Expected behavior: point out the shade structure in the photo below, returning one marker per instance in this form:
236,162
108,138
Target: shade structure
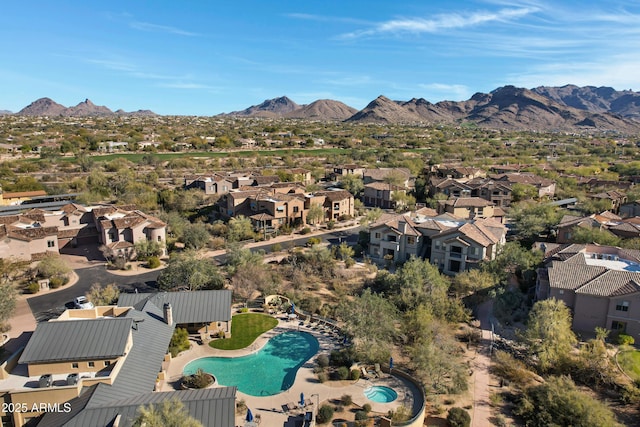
249,416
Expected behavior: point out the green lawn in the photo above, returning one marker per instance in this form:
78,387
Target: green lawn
245,328
630,363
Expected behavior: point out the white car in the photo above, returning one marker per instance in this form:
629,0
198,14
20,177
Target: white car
82,302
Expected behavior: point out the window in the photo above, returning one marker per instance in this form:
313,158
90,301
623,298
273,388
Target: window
296,209
74,365
51,243
391,237
561,292
377,235
456,252
622,306
618,326
107,363
411,240
280,208
159,238
91,364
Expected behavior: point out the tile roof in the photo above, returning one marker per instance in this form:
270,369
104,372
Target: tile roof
77,340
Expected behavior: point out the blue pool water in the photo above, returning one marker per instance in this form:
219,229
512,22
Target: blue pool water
269,371
380,394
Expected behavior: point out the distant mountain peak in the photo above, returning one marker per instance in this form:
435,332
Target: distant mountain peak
48,107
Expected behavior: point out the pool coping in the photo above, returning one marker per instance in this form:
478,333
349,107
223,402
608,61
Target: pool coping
272,408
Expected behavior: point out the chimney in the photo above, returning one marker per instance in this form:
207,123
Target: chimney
168,313
402,226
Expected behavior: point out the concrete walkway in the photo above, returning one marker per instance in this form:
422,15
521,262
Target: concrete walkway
271,409
482,380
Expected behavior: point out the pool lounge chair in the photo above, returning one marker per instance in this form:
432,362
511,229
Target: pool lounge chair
378,370
365,374
291,406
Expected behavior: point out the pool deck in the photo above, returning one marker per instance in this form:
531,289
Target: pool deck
272,409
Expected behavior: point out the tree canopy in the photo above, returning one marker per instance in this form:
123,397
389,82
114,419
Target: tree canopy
187,270
549,333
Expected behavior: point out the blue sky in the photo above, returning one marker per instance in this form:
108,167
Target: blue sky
209,57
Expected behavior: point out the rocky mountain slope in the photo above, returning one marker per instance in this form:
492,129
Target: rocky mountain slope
567,108
323,109
508,107
595,99
48,107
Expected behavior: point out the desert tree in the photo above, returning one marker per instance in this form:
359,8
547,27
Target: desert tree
169,413
548,333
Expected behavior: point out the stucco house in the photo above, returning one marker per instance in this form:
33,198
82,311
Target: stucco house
31,234
101,364
453,244
469,208
600,284
462,248
382,195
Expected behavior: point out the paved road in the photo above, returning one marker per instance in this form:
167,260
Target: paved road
51,305
47,306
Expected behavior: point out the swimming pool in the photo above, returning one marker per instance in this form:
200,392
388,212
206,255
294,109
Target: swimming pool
380,394
269,371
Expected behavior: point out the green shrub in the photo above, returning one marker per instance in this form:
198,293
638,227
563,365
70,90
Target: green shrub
355,374
349,262
346,400
342,372
366,408
313,241
33,287
244,310
56,281
276,247
458,417
322,360
153,262
624,339
179,341
323,377
199,380
361,415
325,413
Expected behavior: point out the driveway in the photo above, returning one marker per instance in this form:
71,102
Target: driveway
47,306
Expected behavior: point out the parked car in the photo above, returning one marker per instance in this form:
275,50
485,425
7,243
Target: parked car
82,302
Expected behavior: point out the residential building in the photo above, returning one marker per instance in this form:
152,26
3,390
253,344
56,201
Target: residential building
462,248
469,208
31,234
382,195
397,176
285,204
210,184
600,284
545,187
614,197
101,364
453,244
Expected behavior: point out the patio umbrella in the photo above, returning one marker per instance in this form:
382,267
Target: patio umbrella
249,416
390,363
301,399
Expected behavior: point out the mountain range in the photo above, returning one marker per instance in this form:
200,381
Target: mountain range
48,107
566,108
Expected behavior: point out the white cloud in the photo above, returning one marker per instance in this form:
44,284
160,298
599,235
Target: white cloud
146,26
618,71
449,91
441,22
